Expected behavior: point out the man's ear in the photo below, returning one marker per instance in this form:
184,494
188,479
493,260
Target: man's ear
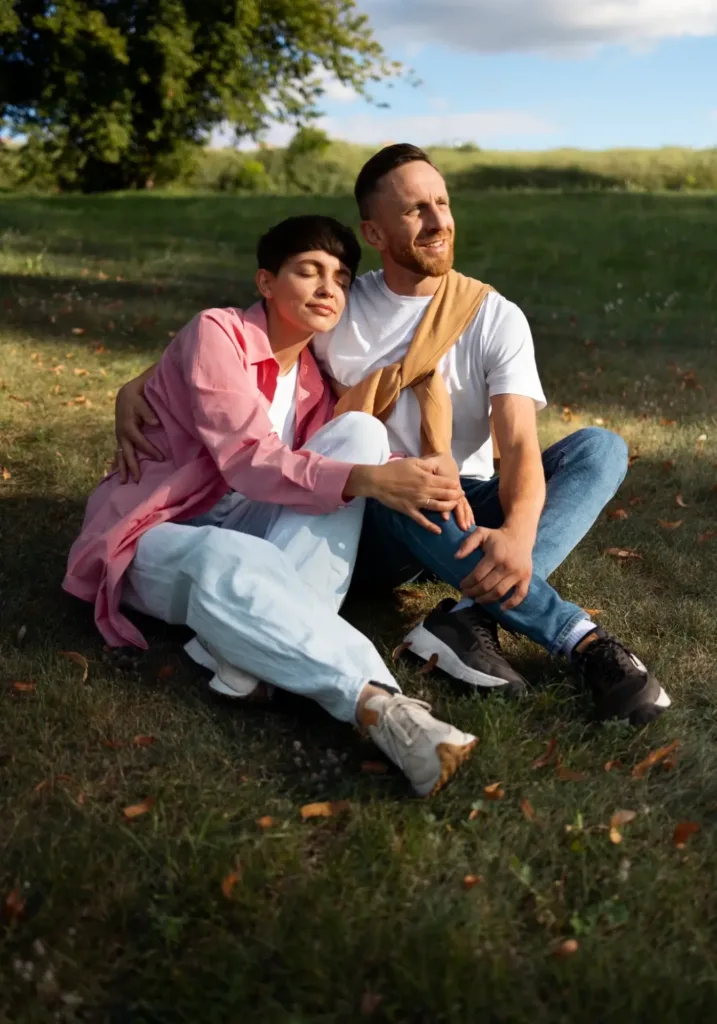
264,280
371,234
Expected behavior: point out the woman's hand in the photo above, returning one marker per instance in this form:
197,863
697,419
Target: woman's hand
408,486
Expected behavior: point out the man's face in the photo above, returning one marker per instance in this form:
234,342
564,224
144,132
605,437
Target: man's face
410,220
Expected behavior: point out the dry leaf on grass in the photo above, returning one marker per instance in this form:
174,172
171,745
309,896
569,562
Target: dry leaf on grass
6,474
545,759
669,524
679,500
113,744
78,659
609,765
398,651
592,611
683,831
622,553
326,809
229,881
619,819
136,810
14,905
429,666
24,687
51,782
374,767
618,513
494,791
566,774
668,464
707,535
667,423
165,672
527,809
266,822
470,880
143,741
637,500
370,1002
78,330
566,948
654,757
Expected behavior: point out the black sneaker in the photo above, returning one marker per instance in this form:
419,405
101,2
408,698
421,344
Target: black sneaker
466,643
621,685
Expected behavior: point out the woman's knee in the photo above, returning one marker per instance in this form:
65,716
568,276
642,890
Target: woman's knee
362,438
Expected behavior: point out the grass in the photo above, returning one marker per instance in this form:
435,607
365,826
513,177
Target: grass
364,915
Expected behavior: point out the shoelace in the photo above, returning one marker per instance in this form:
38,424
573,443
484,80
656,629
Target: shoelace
609,657
398,703
486,631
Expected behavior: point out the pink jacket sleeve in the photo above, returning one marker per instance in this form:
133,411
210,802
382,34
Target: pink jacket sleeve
235,427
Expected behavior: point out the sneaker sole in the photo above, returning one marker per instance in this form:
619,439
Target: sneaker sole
450,756
425,644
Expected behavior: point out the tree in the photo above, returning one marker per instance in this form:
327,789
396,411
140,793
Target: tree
113,92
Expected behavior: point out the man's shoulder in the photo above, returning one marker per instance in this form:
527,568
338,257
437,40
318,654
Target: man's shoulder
498,311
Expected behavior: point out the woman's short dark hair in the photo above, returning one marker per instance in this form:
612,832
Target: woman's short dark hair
308,232
381,164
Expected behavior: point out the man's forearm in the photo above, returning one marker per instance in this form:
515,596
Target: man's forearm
522,490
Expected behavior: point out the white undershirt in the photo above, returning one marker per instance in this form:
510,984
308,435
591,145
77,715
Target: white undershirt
282,411
493,356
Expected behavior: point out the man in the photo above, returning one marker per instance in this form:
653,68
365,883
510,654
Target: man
540,507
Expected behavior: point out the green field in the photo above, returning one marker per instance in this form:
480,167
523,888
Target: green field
365,915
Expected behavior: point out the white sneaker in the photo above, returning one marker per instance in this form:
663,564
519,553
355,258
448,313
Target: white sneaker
227,679
429,752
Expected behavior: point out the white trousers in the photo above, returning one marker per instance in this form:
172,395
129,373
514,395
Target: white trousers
262,583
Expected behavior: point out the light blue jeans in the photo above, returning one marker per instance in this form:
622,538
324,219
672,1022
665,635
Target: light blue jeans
582,472
262,583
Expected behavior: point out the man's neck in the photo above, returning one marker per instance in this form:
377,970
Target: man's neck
408,282
287,342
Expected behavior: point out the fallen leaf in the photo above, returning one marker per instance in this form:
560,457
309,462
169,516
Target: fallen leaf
567,415
701,439
669,763
545,759
653,758
609,765
80,799
370,1002
566,774
494,791
669,524
78,659
229,881
618,513
667,423
708,535
683,831
470,880
143,741
78,330
679,500
637,500
266,822
669,464
619,819
474,814
114,744
429,666
622,553
135,810
6,474
566,948
24,687
165,672
527,809
592,611
14,906
398,651
327,809
599,421
374,767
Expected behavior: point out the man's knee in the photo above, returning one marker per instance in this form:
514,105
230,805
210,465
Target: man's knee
605,449
361,438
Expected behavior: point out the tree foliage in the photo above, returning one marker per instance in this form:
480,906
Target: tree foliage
113,92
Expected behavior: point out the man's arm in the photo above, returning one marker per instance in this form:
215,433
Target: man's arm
132,412
507,563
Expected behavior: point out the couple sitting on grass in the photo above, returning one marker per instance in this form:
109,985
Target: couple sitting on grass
257,481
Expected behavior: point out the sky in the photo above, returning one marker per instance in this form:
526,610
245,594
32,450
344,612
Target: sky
537,74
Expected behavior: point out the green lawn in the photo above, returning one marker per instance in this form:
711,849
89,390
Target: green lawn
364,915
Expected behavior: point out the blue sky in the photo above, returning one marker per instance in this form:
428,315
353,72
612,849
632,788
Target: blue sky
535,74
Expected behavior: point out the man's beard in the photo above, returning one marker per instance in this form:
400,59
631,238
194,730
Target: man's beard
423,261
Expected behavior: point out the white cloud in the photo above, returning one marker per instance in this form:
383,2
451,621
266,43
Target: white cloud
481,126
493,26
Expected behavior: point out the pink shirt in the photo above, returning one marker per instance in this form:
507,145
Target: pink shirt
211,393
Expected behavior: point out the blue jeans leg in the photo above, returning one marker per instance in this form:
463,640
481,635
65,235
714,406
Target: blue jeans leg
582,473
543,615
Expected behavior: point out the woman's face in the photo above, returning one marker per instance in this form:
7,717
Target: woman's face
309,292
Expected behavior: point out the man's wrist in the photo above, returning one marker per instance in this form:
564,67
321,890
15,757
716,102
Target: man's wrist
520,530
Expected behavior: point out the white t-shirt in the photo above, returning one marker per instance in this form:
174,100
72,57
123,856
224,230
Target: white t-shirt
493,356
282,411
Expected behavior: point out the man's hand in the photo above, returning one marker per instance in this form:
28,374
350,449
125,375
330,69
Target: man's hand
507,564
407,485
132,412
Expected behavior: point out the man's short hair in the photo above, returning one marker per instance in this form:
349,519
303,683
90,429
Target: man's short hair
381,164
308,232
